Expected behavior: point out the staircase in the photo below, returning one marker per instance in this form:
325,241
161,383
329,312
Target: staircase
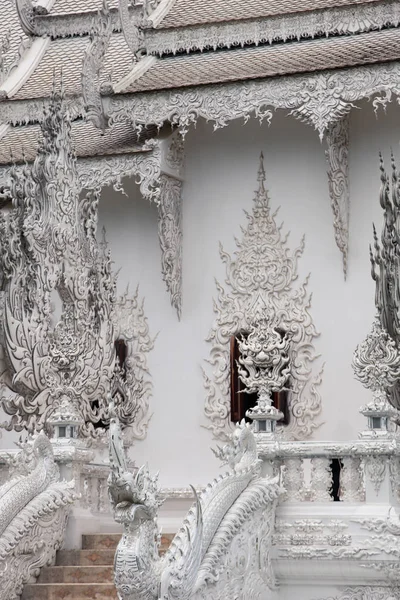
85,574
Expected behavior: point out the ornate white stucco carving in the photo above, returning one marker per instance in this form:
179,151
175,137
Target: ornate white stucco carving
375,467
342,20
260,279
130,324
319,99
319,552
170,236
230,525
367,593
311,532
93,60
34,508
175,156
98,172
51,258
376,360
337,156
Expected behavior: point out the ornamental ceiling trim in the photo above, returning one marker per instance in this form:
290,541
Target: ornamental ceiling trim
194,12
74,24
319,99
259,279
22,112
336,21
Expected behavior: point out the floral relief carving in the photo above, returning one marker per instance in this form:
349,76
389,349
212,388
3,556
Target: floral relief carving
260,278
170,236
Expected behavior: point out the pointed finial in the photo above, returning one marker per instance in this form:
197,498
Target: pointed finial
261,172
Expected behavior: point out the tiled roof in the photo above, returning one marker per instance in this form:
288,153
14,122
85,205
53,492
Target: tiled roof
11,33
266,61
192,12
79,6
68,54
86,139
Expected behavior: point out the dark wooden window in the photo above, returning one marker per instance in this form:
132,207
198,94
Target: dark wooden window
121,350
241,401
336,467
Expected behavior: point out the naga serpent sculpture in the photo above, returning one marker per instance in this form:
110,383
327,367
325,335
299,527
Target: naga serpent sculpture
191,568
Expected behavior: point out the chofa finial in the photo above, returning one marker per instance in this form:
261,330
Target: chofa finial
261,172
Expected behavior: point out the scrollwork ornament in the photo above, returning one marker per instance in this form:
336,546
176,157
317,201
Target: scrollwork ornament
260,280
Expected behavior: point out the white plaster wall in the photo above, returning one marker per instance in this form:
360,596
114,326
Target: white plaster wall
221,172
221,176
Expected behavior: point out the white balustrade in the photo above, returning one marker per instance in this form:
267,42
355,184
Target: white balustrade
368,471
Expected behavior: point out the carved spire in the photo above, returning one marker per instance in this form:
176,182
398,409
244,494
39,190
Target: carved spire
261,175
377,359
57,328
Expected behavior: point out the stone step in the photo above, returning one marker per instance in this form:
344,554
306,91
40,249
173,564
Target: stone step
107,541
100,541
70,591
85,558
77,574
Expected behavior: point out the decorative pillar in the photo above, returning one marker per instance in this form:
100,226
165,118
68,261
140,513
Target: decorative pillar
337,156
170,216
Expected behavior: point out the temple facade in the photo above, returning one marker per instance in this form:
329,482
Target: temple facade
199,235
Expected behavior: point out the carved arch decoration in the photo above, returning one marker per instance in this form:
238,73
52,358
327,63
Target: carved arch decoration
260,278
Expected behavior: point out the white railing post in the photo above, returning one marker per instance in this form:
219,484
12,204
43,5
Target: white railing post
351,480
321,480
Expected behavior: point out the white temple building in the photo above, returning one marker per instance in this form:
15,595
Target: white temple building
242,160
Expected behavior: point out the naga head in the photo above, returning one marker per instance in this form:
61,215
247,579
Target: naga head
241,451
131,494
